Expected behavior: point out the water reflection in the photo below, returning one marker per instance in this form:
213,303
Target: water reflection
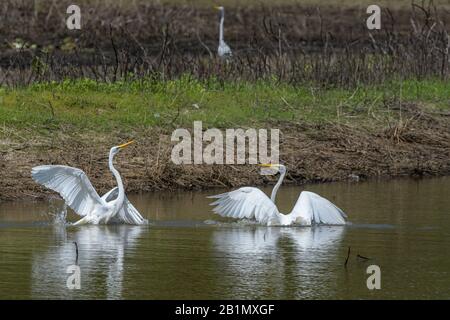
259,240
403,226
101,257
289,262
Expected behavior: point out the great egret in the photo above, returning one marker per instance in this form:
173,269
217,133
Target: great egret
76,189
252,203
223,50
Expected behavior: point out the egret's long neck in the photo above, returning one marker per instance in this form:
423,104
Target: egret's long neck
277,186
221,26
116,174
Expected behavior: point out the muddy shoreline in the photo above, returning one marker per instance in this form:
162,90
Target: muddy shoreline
312,153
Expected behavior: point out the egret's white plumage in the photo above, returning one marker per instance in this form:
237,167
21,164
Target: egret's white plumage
128,213
223,50
253,204
75,188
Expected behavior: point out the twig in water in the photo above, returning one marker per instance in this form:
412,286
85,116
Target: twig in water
348,256
362,257
76,251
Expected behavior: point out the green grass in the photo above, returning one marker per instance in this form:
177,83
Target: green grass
102,107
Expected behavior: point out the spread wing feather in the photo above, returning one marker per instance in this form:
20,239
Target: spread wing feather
246,202
314,209
72,184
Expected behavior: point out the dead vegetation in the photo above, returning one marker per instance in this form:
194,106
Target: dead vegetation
418,146
325,45
322,46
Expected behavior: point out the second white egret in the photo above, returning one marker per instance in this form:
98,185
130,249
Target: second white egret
253,204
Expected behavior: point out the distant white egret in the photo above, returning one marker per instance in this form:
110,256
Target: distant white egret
251,203
223,50
76,189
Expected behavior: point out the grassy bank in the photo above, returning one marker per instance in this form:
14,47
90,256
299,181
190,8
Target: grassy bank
399,129
88,105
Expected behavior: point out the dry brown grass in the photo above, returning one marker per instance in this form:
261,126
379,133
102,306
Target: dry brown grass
419,146
297,43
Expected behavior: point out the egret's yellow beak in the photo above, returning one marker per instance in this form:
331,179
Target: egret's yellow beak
217,7
125,144
267,165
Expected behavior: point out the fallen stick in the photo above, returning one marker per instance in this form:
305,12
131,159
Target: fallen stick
76,251
348,256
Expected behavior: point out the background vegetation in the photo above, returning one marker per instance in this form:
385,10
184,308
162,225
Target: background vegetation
349,101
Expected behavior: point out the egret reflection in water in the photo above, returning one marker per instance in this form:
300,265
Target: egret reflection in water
101,254
279,260
403,226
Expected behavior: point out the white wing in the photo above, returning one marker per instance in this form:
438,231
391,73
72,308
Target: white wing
246,202
313,209
128,213
72,184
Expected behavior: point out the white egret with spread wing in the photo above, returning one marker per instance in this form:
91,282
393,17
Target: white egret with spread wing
253,204
75,188
223,50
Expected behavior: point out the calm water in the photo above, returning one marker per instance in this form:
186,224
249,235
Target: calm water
403,226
